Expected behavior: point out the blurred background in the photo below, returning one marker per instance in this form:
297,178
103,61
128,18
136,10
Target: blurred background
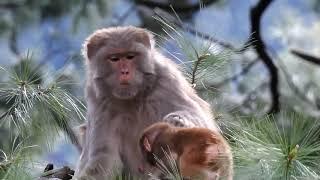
267,60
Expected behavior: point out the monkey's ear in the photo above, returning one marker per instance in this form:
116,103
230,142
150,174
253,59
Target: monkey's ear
146,144
92,45
146,39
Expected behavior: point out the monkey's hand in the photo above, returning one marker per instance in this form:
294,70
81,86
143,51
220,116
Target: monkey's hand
179,119
100,168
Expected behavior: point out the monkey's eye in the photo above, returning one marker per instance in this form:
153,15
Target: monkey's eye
114,58
130,56
151,159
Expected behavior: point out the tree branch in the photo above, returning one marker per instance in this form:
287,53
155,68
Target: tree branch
256,13
10,5
306,57
13,44
64,173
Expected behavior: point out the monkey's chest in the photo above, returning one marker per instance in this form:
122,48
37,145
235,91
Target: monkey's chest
130,127
128,130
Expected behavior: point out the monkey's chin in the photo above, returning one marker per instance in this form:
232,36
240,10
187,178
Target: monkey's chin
125,93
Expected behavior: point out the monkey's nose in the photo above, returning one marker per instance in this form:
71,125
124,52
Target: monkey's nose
125,71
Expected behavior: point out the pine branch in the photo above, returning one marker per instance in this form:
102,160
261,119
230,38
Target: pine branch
26,99
276,147
196,65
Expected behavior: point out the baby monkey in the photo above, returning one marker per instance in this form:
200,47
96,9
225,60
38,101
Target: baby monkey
199,153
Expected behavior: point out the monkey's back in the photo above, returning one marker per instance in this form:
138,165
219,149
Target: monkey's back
199,145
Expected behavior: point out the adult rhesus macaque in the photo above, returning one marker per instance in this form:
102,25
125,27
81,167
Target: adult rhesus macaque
130,86
198,152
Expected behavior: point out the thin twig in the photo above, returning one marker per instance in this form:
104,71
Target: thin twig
306,57
194,70
289,80
13,42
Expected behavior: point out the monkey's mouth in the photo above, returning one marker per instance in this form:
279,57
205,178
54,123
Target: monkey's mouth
124,84
125,91
125,87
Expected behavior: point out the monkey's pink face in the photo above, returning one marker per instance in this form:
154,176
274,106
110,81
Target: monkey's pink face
120,73
125,79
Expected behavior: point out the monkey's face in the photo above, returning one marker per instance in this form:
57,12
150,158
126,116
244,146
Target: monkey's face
124,79
153,143
146,150
120,61
156,159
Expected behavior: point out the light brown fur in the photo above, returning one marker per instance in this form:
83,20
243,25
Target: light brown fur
198,152
116,116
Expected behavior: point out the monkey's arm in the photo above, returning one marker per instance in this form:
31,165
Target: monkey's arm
100,164
100,155
80,133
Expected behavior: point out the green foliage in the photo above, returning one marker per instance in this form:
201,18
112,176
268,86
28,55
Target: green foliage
35,109
284,147
203,62
13,165
168,167
28,97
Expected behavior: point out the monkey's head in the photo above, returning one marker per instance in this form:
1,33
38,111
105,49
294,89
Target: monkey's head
151,141
119,61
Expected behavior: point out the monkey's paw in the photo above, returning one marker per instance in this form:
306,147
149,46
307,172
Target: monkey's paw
177,120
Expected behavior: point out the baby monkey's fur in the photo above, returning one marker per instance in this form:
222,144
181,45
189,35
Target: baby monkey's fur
200,153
